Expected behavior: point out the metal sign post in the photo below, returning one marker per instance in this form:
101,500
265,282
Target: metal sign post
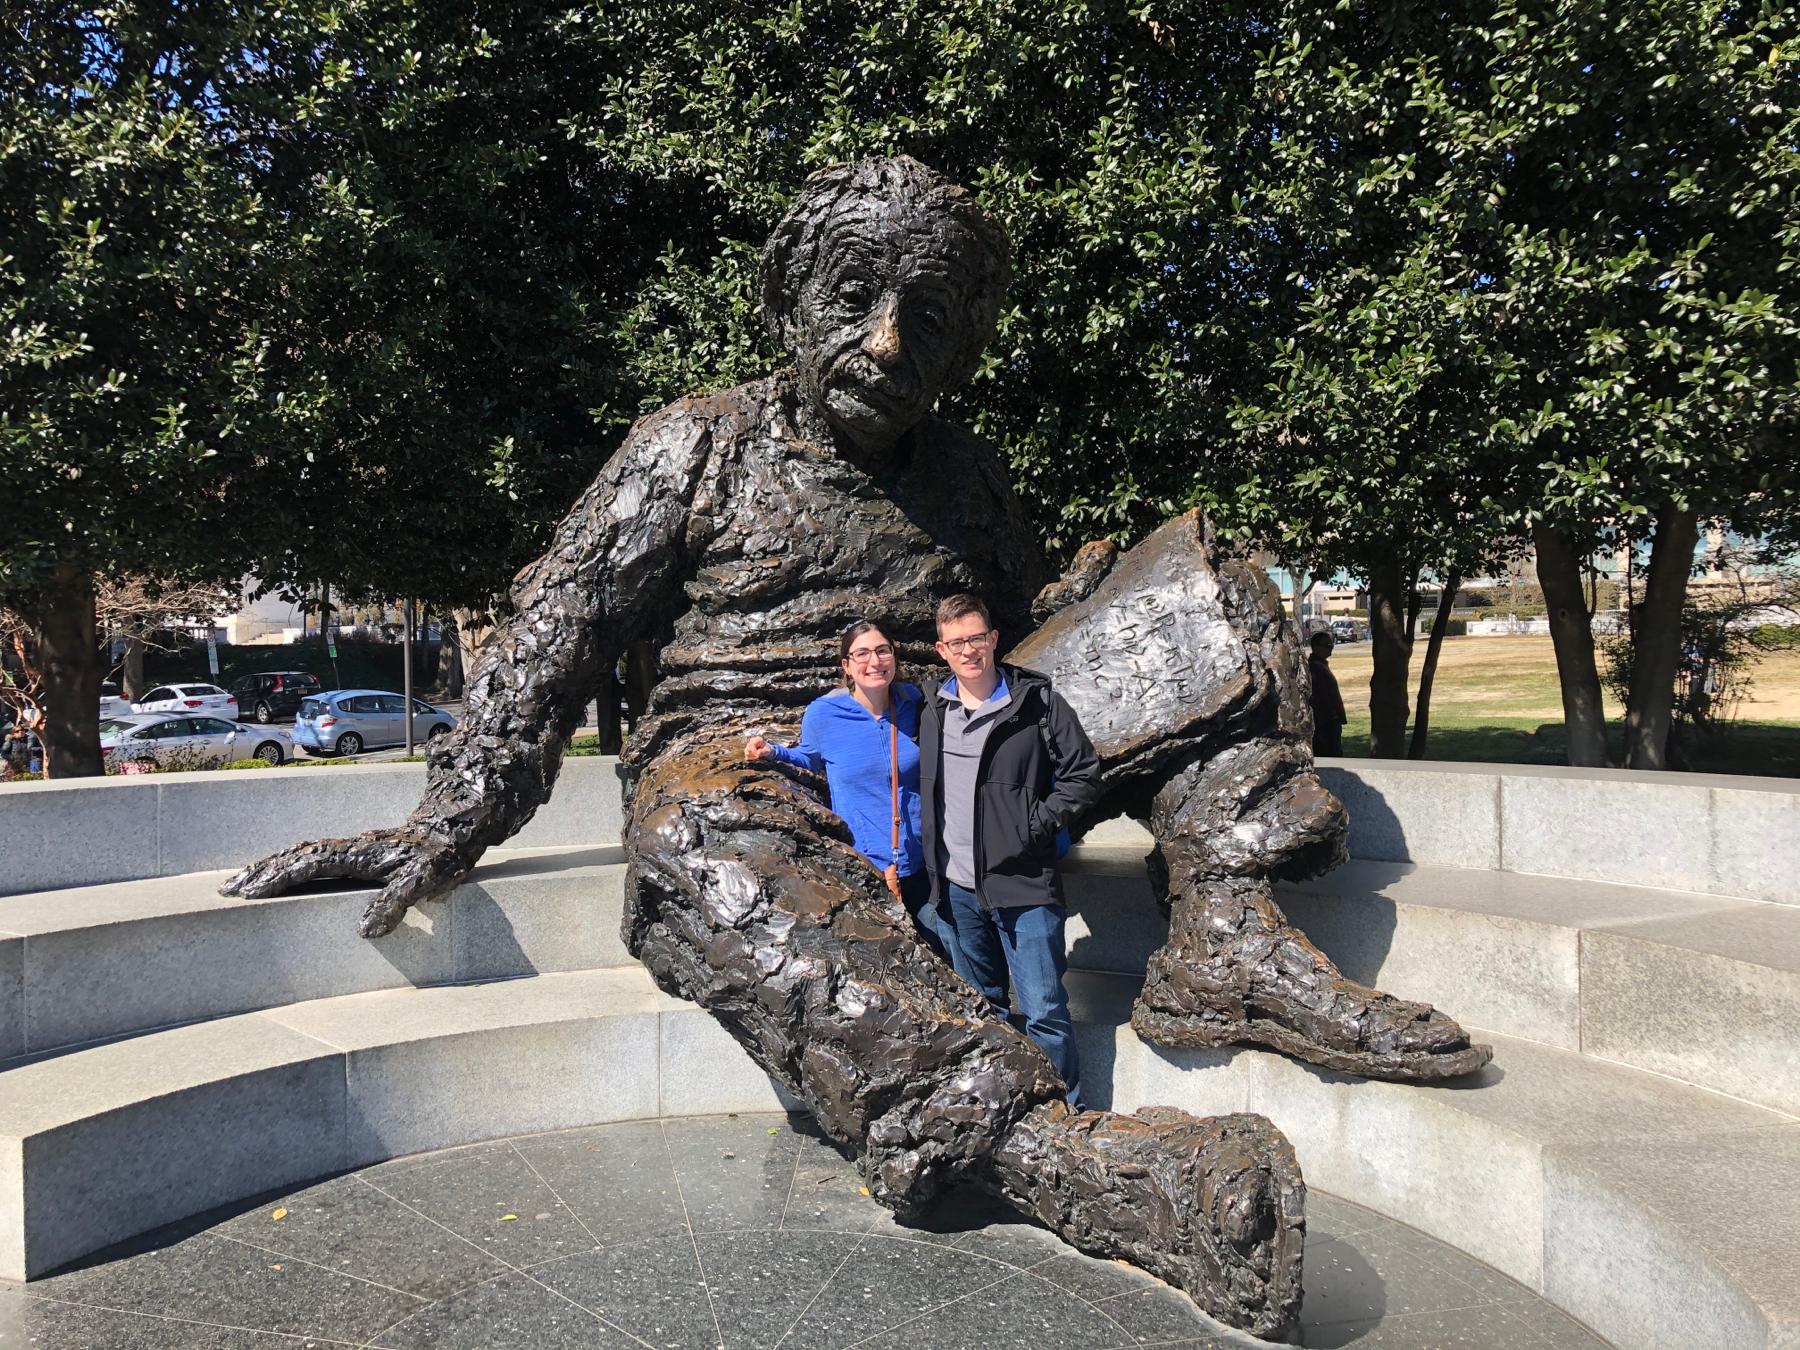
329,634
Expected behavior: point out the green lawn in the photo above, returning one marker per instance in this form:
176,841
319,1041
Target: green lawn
1497,700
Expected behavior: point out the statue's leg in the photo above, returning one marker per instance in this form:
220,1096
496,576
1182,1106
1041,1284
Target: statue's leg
744,895
1193,690
1234,970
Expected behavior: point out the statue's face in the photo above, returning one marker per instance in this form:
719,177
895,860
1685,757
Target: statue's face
880,322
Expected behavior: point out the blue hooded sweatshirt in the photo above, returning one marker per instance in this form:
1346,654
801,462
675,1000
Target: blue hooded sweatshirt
850,745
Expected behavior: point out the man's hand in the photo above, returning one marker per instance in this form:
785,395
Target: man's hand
411,865
757,748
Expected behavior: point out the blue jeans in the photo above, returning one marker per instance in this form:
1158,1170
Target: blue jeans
1025,943
934,930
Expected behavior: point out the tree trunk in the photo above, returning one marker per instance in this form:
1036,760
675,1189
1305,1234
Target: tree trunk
1392,650
69,654
640,678
1657,645
1300,594
450,663
472,630
1572,634
1428,672
606,708
131,676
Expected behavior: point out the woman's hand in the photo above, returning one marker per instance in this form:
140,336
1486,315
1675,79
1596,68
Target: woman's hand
757,748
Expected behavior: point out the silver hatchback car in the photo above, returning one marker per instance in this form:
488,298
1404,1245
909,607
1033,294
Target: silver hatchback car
348,721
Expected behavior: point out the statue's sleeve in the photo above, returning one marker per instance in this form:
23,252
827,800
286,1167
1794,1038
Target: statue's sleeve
617,562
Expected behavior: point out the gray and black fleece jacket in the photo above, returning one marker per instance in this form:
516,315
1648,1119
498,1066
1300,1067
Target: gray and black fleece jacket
1038,773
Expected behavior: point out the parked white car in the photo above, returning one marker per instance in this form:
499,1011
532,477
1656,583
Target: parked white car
189,698
177,741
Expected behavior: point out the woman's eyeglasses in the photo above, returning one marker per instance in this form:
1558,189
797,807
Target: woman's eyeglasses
863,655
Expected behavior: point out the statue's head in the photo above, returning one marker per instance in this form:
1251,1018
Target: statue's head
884,280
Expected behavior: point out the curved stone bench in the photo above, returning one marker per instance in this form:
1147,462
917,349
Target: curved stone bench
1708,833
88,831
172,949
1662,1215
104,1143
1658,1211
1697,987
1623,1197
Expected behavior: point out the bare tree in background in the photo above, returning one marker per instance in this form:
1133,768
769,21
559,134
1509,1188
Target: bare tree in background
143,611
140,610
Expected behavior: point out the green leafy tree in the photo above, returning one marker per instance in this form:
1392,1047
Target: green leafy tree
307,290
441,343
130,353
1367,451
1106,136
1603,205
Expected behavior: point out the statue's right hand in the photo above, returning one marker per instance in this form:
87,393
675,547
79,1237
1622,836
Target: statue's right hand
757,747
410,864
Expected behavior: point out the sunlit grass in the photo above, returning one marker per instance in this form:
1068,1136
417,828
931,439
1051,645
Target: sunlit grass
1497,700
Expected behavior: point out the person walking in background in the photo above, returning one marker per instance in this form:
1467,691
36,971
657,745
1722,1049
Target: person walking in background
864,738
1327,702
1005,766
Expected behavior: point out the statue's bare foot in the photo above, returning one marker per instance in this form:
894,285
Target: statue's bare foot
1216,1207
410,864
1235,972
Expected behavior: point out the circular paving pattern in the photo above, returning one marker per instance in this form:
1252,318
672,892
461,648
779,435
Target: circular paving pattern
748,1232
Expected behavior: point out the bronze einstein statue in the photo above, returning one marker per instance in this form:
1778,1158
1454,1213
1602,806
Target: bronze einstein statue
754,525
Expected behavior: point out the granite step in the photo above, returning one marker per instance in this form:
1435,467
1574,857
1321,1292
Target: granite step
1697,987
93,962
106,1142
1657,1213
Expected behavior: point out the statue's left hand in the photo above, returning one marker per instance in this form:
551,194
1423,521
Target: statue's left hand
1090,567
411,865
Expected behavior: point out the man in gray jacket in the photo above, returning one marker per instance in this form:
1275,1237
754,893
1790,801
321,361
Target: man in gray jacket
1003,767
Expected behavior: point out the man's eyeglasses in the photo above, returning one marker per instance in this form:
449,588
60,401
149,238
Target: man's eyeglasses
967,644
863,655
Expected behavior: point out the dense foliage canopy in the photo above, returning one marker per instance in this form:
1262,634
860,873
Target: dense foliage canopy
360,293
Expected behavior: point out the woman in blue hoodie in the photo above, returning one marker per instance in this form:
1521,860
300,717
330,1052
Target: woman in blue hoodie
848,735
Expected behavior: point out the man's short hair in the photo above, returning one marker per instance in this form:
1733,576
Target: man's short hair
960,606
901,181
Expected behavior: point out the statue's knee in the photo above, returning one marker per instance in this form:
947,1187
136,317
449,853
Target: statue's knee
667,831
1254,808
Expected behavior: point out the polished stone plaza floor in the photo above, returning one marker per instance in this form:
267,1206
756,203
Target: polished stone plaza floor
743,1231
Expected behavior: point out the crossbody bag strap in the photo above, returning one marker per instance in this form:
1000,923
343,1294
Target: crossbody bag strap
894,778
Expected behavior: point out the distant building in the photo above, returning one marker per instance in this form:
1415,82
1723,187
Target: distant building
271,621
1335,595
